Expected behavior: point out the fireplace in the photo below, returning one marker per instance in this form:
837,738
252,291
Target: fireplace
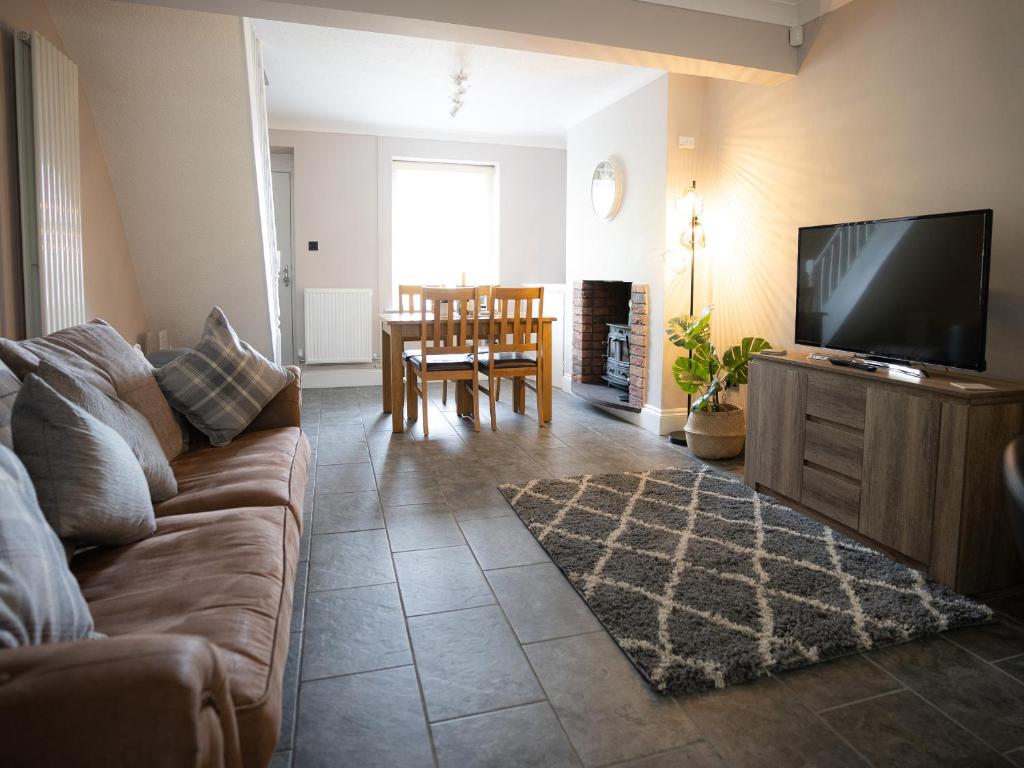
609,344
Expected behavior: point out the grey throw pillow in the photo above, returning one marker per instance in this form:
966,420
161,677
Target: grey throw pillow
8,390
89,483
123,419
222,383
40,601
96,352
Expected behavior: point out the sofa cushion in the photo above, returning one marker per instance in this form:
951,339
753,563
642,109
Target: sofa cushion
256,469
40,601
96,353
226,576
222,383
8,389
89,483
131,425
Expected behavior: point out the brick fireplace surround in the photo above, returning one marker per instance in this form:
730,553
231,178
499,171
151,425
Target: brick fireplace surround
595,304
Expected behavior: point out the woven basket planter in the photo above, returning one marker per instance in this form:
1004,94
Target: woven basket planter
717,434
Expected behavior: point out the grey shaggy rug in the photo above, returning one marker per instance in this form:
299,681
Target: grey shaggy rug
704,583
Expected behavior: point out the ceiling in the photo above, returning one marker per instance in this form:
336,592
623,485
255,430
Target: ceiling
330,79
790,13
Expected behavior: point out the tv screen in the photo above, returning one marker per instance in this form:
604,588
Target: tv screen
908,289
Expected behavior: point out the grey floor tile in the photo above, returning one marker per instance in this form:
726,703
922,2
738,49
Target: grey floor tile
991,642
502,542
372,719
902,729
1016,757
469,662
474,501
356,559
1014,667
281,760
528,736
299,598
335,452
422,526
409,488
975,694
697,755
345,478
341,512
606,708
354,630
434,580
763,724
833,683
1011,604
540,603
290,692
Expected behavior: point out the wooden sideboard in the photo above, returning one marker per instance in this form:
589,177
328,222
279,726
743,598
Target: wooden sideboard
912,466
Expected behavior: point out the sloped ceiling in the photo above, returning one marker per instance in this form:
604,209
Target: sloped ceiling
169,94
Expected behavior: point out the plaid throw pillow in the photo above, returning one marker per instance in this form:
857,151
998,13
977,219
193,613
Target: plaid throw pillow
222,383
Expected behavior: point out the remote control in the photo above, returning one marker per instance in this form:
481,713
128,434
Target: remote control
844,363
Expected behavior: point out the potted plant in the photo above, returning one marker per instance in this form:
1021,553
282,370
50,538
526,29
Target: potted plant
714,429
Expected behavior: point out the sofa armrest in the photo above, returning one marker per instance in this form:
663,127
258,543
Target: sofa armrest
285,410
153,700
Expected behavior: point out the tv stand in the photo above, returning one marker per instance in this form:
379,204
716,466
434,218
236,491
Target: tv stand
912,467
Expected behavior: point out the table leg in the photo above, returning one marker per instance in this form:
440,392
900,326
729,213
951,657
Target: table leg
397,390
385,368
546,370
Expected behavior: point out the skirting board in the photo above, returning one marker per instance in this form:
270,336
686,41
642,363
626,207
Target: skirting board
322,378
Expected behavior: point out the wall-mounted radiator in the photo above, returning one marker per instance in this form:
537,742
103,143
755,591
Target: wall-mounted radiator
51,194
339,325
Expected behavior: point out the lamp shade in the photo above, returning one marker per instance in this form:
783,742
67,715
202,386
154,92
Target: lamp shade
693,235
690,203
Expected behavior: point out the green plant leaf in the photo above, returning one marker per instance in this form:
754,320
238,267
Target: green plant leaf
736,359
690,332
708,358
708,401
690,374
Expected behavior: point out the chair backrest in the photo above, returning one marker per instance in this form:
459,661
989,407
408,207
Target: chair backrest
483,293
455,329
514,310
410,298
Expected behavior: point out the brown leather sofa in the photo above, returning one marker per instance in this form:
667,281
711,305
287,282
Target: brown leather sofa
197,618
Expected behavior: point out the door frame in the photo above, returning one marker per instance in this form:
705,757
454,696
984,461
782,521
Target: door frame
283,161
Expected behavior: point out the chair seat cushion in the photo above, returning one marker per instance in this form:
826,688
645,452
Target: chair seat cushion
255,469
226,576
507,360
442,362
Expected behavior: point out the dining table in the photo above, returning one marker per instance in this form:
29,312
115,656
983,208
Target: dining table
399,328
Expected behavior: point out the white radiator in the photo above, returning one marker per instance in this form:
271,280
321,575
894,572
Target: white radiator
339,325
49,163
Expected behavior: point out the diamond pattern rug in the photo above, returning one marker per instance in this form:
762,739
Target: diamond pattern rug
704,583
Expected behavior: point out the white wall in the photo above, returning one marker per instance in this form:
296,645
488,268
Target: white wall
342,194
631,246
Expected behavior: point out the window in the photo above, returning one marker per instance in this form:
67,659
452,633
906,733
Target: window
444,224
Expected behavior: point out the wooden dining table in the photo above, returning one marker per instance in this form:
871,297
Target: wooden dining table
397,328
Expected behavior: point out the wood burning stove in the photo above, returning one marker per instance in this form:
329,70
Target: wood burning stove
616,358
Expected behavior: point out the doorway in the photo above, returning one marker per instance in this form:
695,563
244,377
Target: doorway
282,166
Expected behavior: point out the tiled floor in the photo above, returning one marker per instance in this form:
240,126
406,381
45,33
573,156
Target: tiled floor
431,629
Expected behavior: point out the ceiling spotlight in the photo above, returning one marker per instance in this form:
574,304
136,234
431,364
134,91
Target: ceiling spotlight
461,86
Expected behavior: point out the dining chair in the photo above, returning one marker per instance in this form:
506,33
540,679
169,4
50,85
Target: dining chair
410,298
483,293
514,348
449,348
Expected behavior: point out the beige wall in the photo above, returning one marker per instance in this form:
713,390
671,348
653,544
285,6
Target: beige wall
901,107
342,194
111,289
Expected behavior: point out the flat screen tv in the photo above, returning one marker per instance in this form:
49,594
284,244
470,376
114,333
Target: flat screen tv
912,289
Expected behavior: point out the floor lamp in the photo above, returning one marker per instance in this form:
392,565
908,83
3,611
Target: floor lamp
691,205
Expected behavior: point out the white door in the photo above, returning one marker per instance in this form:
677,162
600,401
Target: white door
282,182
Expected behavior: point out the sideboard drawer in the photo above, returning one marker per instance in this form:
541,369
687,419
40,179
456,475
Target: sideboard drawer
841,399
832,496
836,448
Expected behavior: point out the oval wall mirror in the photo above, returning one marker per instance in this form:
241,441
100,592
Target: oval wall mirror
606,189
